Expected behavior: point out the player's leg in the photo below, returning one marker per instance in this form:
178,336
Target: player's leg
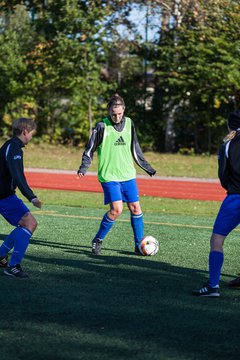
215,259
18,215
215,262
12,209
113,197
22,235
137,223
227,219
109,219
131,197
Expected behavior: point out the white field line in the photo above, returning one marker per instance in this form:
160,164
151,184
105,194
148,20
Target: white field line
52,213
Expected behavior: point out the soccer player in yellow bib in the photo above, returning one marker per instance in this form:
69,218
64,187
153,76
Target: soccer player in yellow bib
115,140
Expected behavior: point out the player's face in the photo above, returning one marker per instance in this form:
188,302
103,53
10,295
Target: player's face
27,136
116,113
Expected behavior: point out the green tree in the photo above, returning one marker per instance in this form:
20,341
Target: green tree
70,63
64,67
198,71
16,40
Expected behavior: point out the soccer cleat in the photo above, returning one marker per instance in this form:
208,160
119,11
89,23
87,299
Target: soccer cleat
96,246
207,291
15,271
235,283
3,261
137,251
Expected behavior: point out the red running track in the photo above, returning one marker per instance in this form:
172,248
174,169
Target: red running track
194,189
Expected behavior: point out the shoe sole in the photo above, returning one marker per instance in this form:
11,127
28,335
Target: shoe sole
7,274
208,295
14,276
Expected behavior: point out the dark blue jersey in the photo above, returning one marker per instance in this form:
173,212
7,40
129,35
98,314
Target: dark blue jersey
12,170
229,165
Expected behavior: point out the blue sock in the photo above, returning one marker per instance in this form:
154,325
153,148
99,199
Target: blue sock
105,227
216,259
8,243
22,237
138,227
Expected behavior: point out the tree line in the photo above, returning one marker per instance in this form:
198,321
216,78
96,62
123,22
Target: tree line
175,62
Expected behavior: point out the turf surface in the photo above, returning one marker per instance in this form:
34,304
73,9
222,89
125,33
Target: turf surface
118,305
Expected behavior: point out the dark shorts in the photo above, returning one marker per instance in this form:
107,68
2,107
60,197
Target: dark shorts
228,216
12,209
127,191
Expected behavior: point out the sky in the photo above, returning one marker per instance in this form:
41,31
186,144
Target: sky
139,18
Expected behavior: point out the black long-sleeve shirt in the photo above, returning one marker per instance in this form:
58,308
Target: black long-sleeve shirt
229,165
96,139
12,170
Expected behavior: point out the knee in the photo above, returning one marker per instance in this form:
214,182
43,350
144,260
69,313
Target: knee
30,224
135,209
115,213
135,212
34,225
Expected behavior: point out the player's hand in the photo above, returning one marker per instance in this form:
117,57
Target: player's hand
36,202
80,174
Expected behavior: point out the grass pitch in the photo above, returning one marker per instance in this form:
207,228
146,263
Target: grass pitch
69,158
119,305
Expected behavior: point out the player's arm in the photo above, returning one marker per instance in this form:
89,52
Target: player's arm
138,155
16,169
94,141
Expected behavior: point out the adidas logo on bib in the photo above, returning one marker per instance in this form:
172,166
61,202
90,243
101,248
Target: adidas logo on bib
120,141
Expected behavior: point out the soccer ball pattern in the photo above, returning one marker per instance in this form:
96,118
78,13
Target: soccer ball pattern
148,246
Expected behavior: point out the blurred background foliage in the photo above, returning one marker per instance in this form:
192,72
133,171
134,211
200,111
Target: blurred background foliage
176,63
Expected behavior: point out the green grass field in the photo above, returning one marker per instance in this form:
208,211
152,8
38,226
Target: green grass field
119,306
69,158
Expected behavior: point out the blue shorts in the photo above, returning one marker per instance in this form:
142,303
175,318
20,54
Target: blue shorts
127,191
12,209
228,216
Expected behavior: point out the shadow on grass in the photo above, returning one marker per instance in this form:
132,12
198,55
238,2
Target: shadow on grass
86,250
3,236
114,306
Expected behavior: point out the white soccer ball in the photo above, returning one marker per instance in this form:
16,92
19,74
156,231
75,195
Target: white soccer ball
148,246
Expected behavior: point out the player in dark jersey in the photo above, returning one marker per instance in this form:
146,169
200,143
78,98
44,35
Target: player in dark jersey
115,140
11,207
229,214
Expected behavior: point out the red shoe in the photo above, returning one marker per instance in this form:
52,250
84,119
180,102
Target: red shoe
235,283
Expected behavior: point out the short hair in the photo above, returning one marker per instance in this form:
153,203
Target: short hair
22,124
116,100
